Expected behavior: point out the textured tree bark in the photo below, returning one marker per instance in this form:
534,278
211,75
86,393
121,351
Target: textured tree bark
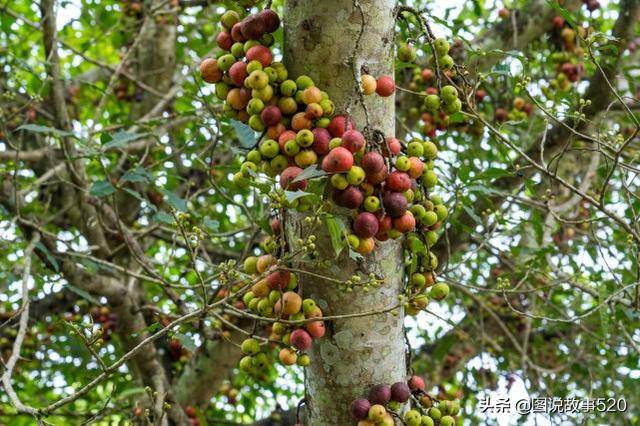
320,41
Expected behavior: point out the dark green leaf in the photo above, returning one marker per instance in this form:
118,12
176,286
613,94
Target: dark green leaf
310,172
246,135
102,188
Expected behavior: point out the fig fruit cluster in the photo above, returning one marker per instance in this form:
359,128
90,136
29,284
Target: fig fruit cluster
385,402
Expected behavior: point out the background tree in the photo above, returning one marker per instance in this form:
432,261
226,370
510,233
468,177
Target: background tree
123,228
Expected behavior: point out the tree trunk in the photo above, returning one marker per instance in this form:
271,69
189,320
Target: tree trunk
355,353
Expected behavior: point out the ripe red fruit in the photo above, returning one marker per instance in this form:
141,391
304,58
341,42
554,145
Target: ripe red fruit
236,33
372,162
190,411
340,124
321,138
288,175
275,225
260,53
400,392
384,225
253,27
431,91
238,72
380,394
377,178
360,408
278,280
426,74
316,329
284,137
416,383
385,86
353,140
224,40
503,13
480,94
300,339
558,21
365,225
338,160
270,115
394,146
417,166
395,204
271,20
351,197
398,181
405,223
501,114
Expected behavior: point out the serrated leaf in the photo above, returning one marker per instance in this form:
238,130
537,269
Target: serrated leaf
80,292
335,234
310,172
246,135
175,201
186,341
102,188
122,138
37,128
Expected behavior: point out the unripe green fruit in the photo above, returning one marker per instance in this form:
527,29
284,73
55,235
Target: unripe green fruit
447,421
246,364
408,194
303,360
304,82
297,317
441,211
335,142
253,304
288,88
432,238
268,170
240,180
421,301
237,50
279,163
427,421
353,241
248,169
371,203
394,233
439,291
255,106
248,297
435,199
287,105
430,150
418,280
291,148
448,94
406,53
278,328
394,405
456,106
338,181
249,44
430,262
283,74
304,138
377,413
323,122
229,19
272,74
441,46
308,306
265,307
260,361
255,122
328,108
429,178
264,94
249,265
355,175
274,296
403,163
432,103
418,210
429,218
414,149
434,413
269,148
257,80
250,346
222,90
254,66
413,418
446,62
267,40
225,61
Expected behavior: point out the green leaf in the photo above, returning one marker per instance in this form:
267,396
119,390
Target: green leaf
186,341
102,188
457,117
568,16
291,196
310,172
48,255
139,174
174,201
163,217
492,173
246,135
335,234
129,392
472,214
80,292
36,128
120,139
